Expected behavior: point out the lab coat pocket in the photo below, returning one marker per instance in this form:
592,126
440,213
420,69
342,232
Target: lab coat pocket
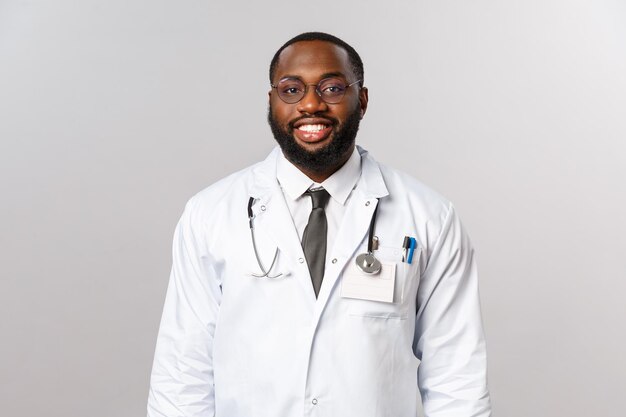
404,290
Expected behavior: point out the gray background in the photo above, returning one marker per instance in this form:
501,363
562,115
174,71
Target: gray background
113,113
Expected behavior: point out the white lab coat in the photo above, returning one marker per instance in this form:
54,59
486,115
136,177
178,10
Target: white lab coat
232,345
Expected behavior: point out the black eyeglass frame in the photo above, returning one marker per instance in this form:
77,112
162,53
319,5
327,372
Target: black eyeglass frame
317,90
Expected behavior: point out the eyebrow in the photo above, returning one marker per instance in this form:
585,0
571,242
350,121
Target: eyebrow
322,77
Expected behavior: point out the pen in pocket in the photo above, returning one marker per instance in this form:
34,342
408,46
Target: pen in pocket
411,250
406,244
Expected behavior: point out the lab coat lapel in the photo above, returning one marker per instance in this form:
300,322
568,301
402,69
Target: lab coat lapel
354,226
273,219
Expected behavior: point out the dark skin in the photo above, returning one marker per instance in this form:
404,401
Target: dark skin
312,61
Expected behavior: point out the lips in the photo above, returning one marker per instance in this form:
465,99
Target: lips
312,130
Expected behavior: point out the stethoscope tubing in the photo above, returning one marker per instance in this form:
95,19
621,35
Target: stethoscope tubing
266,273
366,262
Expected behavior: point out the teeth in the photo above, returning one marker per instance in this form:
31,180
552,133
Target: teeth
311,128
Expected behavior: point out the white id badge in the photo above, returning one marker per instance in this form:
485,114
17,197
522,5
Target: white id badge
379,287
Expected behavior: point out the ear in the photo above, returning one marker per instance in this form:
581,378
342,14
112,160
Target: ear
363,99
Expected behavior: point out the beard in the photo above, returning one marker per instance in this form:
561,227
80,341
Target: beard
323,159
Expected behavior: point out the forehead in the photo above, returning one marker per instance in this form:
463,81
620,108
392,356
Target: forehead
310,60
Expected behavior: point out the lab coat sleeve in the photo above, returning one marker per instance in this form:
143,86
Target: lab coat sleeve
449,337
181,383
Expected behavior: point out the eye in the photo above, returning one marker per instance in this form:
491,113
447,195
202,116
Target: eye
290,88
332,87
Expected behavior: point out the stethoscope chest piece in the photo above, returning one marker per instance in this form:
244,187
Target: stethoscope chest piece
368,263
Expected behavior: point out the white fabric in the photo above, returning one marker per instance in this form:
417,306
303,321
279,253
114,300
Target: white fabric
232,345
339,185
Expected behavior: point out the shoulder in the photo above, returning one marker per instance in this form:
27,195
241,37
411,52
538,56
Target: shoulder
411,193
222,189
426,213
219,198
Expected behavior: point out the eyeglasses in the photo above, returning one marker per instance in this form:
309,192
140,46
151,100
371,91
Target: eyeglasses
330,90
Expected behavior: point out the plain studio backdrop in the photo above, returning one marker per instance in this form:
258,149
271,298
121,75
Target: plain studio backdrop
113,113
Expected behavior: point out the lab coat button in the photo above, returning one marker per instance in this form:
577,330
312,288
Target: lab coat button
367,203
334,260
301,260
262,208
314,401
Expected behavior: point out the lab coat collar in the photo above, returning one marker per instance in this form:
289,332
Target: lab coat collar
263,179
371,183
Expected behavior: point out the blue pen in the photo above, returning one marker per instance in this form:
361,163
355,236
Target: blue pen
411,250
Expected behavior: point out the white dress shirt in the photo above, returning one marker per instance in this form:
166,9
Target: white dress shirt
294,183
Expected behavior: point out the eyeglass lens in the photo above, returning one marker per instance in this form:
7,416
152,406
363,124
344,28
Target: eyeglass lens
331,90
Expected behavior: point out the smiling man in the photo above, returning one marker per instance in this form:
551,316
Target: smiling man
320,282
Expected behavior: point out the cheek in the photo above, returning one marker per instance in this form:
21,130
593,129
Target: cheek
282,113
344,112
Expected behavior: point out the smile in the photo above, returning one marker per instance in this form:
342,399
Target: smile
311,128
312,133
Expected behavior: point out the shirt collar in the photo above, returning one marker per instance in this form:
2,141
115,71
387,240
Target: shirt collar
339,185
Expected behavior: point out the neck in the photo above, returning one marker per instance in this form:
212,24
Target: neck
321,176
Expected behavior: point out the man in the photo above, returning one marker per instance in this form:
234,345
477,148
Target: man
268,314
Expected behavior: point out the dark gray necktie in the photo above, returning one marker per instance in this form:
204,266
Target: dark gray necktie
314,237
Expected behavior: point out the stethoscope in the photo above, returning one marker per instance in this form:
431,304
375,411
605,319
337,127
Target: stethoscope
366,262
266,273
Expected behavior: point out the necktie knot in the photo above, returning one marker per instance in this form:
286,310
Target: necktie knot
319,197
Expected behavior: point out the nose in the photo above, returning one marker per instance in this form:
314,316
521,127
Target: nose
312,103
